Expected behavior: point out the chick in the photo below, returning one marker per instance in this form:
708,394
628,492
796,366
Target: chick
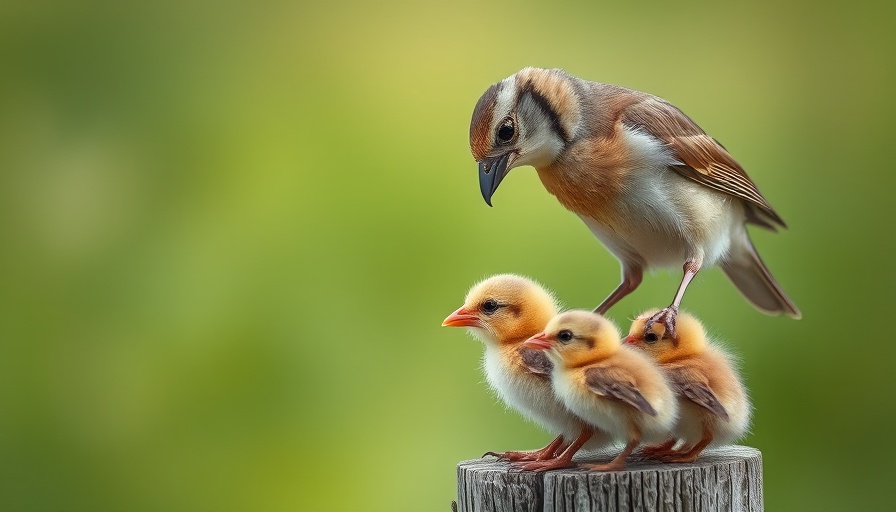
714,406
615,389
503,311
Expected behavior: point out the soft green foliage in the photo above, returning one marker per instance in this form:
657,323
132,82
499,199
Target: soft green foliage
230,231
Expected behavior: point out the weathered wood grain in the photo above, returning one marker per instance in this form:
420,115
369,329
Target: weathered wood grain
725,479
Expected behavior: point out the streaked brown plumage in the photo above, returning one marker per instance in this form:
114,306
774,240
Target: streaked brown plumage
649,183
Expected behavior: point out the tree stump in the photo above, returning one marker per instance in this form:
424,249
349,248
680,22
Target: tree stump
723,479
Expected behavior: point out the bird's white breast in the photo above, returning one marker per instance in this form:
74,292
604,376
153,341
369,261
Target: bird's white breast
665,218
613,416
529,394
588,405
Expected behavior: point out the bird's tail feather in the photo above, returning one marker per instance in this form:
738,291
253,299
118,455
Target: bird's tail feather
750,275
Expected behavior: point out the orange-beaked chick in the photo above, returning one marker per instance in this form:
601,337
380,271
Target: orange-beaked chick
714,406
614,388
648,182
503,311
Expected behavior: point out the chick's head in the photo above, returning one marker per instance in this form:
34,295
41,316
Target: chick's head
690,337
576,338
505,308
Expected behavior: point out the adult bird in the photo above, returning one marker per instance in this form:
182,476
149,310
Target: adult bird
648,182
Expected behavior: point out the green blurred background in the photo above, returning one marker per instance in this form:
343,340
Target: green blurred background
230,232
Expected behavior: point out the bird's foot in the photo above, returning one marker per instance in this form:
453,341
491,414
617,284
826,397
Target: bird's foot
545,465
548,452
666,319
544,454
685,454
658,451
511,456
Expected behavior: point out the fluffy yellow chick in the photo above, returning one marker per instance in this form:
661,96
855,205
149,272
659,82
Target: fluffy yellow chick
615,389
714,406
503,311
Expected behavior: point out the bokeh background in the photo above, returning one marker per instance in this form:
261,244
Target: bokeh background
229,232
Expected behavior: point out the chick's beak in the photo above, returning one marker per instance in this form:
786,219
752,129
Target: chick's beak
461,318
491,171
631,339
539,342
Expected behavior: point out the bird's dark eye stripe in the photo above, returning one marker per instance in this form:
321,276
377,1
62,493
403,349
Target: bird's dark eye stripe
548,109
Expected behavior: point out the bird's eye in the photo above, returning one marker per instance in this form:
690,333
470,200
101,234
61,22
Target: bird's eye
506,131
565,336
490,306
651,337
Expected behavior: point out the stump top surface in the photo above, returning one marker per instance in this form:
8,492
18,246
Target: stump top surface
710,457
722,479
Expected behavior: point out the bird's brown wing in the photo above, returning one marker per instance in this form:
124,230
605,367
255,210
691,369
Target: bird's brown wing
693,386
618,384
702,158
536,361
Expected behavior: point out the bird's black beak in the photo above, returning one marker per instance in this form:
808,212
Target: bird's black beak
491,171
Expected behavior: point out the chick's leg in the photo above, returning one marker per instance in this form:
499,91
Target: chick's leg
631,278
692,454
659,450
667,316
548,452
618,463
564,460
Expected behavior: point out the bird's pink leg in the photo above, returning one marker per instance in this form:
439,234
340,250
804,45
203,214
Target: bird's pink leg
548,452
631,278
667,316
564,460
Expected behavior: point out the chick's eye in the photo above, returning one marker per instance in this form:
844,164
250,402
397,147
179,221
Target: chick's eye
565,336
651,337
506,130
490,306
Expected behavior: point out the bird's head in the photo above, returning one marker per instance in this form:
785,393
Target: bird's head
576,338
690,337
504,309
526,119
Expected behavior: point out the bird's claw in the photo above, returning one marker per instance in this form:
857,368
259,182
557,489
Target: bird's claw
512,456
666,318
544,465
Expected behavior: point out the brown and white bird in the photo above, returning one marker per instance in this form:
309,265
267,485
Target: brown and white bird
503,311
614,388
646,180
714,408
